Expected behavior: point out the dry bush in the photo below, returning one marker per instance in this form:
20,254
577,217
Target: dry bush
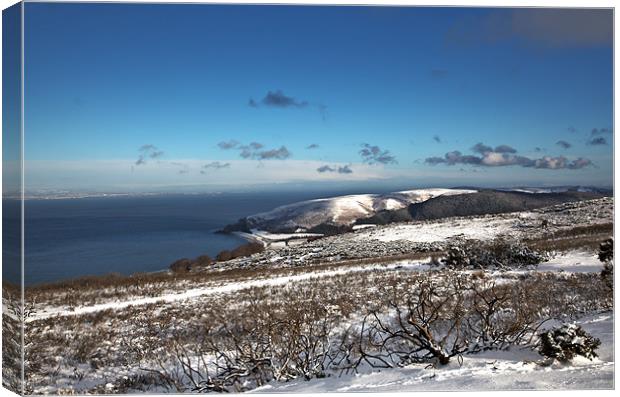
247,250
580,237
443,319
181,266
240,252
312,327
203,260
224,256
12,317
239,351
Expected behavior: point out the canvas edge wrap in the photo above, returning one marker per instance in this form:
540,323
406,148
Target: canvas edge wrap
12,200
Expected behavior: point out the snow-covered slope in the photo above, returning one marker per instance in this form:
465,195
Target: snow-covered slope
342,210
517,369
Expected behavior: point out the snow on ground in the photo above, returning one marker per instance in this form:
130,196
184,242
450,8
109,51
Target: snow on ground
573,262
227,288
365,226
267,237
428,232
507,370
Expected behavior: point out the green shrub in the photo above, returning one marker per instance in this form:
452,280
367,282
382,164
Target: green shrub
566,342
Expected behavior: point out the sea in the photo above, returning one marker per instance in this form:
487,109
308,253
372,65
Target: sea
69,238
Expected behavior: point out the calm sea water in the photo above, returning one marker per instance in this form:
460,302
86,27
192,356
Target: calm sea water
68,238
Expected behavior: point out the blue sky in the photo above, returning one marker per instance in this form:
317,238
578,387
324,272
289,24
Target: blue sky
107,85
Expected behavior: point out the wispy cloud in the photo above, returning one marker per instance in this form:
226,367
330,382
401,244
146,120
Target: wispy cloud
372,154
481,148
563,144
505,149
597,141
253,150
278,99
216,165
344,169
146,152
323,110
183,167
226,145
505,157
247,151
281,153
600,131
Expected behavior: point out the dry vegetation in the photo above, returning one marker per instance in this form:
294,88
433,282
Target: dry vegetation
586,237
12,314
314,328
480,296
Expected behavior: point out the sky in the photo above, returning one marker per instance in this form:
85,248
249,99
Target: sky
144,97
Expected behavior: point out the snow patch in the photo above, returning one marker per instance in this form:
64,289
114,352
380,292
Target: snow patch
429,232
514,369
573,262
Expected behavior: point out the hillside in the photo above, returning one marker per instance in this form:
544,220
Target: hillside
188,332
334,214
478,203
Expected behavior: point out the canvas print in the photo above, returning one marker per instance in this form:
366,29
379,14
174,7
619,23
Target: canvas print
215,198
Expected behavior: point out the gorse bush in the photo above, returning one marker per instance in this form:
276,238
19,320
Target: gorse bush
566,342
496,254
606,255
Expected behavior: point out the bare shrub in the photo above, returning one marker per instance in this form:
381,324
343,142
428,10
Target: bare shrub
441,320
203,260
584,237
224,256
12,318
235,352
247,250
181,266
234,342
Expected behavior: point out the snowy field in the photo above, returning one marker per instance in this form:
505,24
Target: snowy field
519,367
478,228
224,288
251,327
572,262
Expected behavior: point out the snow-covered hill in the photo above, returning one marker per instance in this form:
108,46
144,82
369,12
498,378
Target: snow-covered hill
342,210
